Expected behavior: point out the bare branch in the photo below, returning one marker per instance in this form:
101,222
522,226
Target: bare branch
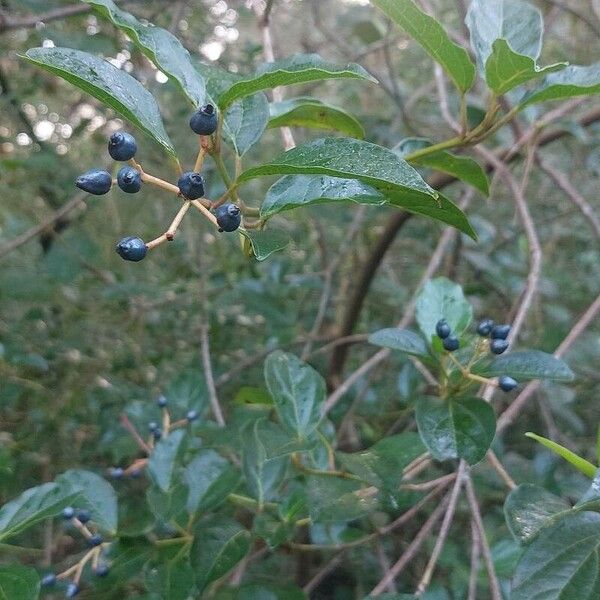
208,374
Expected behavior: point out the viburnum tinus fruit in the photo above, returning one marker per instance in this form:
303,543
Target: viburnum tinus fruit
507,383
157,434
129,179
95,540
485,327
191,185
84,515
101,570
500,332
498,346
451,343
48,580
152,426
162,401
442,329
122,146
95,181
228,216
204,121
116,472
132,248
192,415
72,590
68,512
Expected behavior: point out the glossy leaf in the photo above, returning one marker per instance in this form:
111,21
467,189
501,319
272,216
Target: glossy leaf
264,242
219,544
456,428
161,464
172,579
582,465
105,82
403,340
18,583
528,508
570,82
440,298
299,68
345,157
434,39
95,494
167,505
295,191
160,46
461,167
277,441
527,364
314,114
562,562
32,506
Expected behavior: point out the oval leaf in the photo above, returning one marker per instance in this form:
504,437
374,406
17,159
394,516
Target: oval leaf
18,583
400,339
263,243
113,87
435,41
456,428
299,68
161,463
160,46
314,114
527,364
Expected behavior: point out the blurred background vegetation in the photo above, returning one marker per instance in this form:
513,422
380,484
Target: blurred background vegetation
83,333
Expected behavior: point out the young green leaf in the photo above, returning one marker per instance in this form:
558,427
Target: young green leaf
527,364
265,242
456,428
435,41
297,390
581,464
160,46
167,505
113,87
299,68
312,113
401,339
162,461
18,583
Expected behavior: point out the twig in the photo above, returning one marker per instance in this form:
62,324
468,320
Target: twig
127,424
475,553
327,568
385,565
499,468
208,373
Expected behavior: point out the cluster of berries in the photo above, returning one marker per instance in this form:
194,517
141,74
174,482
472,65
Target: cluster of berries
80,519
498,343
122,146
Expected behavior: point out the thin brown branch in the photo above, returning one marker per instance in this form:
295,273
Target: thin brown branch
475,553
499,468
208,375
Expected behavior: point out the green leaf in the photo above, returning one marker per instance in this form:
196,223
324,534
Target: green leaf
277,441
219,544
161,464
263,242
167,505
32,506
527,364
528,508
210,478
518,23
95,494
298,392
582,465
435,41
294,191
113,87
591,499
173,580
562,562
332,499
160,46
345,157
505,69
261,591
312,113
382,464
440,298
570,82
456,428
401,339
461,167
262,474
18,583
299,68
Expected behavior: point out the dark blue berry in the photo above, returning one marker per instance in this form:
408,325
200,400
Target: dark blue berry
84,515
192,415
162,401
500,332
451,343
68,512
129,179
204,122
95,181
95,540
229,217
152,426
116,472
484,328
72,590
498,346
122,146
157,433
132,248
191,185
101,570
442,329
48,580
507,383
135,473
